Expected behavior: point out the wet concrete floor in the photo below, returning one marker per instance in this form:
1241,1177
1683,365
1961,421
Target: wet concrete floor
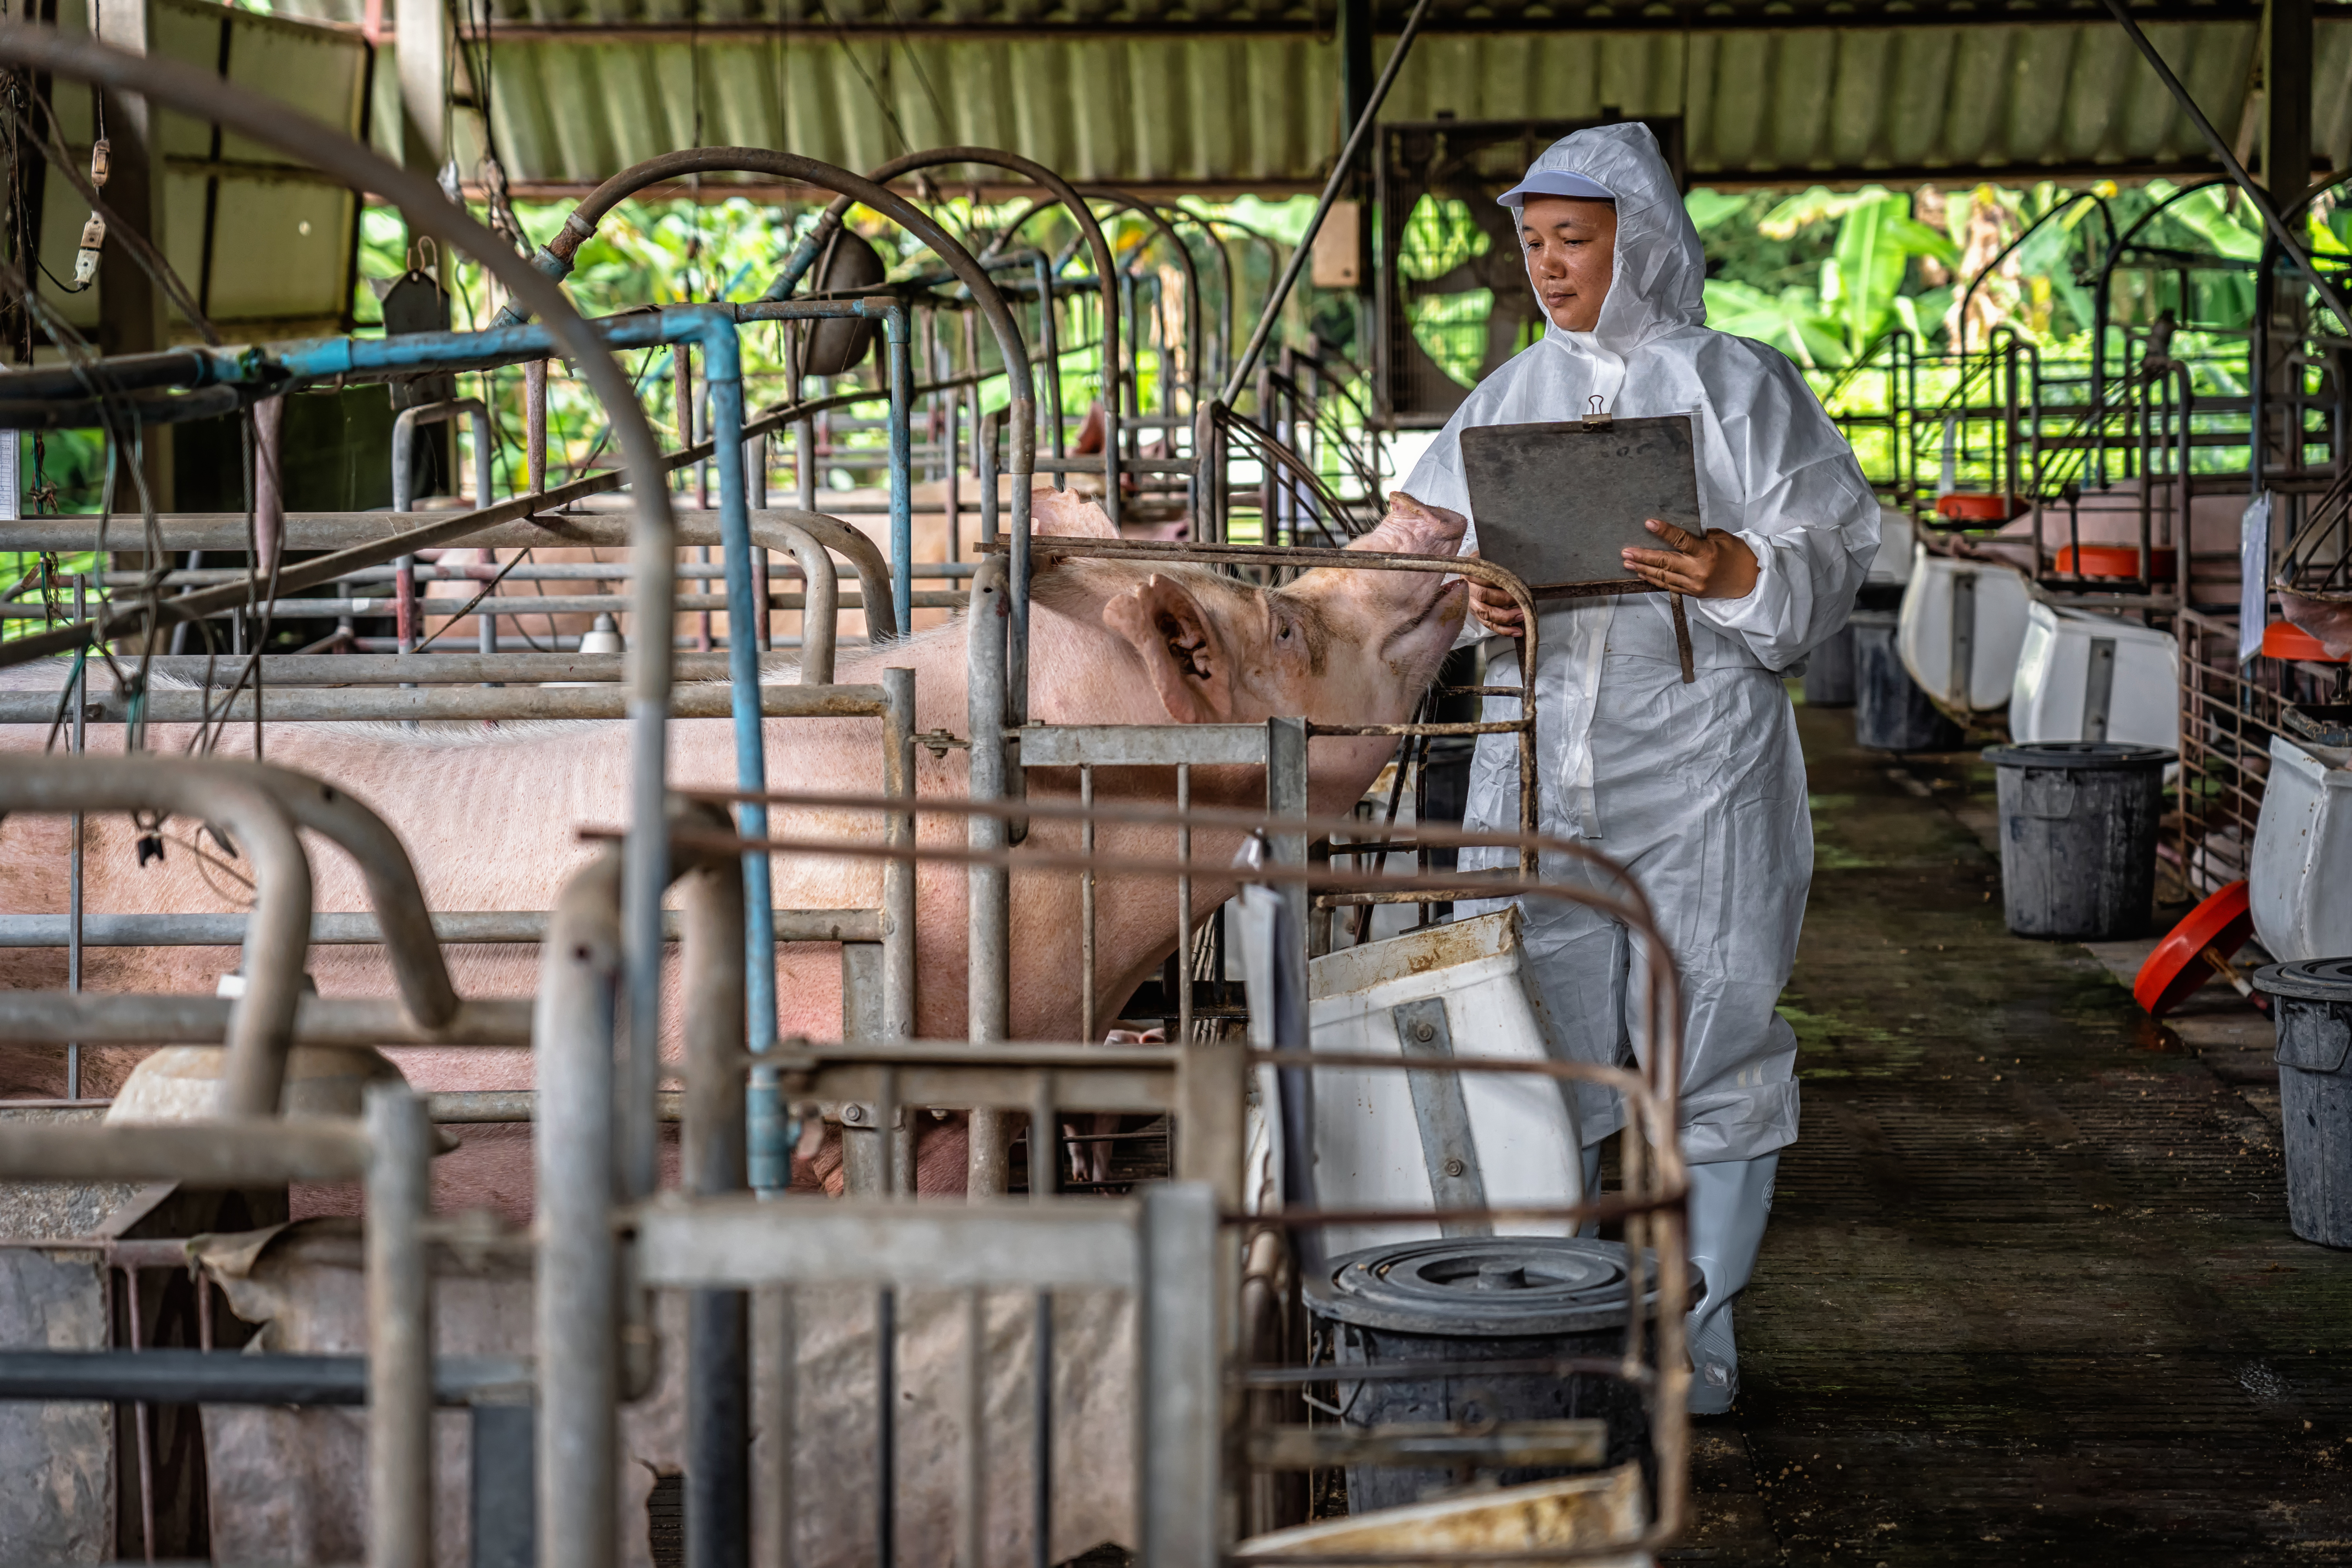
2029,1295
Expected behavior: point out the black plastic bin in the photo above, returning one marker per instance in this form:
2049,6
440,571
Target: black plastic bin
1829,671
2312,1006
2078,824
1890,712
1478,1299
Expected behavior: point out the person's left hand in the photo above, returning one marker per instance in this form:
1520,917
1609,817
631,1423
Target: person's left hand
1709,565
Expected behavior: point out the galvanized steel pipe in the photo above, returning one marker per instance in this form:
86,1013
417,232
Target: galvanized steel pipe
578,1283
261,1023
988,1006
400,1331
205,97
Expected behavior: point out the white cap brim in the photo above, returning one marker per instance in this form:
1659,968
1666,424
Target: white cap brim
1561,184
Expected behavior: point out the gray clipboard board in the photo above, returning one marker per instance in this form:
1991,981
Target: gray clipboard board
1556,504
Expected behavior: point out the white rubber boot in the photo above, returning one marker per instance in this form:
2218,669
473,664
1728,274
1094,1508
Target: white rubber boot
1729,1202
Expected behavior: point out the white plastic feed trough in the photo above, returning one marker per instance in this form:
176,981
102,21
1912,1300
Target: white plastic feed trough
2300,884
1396,1140
2090,678
1961,630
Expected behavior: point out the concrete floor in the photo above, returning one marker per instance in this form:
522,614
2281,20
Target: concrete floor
2030,1295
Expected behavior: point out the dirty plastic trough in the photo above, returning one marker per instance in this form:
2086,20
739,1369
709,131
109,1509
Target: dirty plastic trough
2312,1001
1890,712
1478,1299
2078,828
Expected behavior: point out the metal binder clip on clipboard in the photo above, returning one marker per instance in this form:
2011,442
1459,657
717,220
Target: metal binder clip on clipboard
1558,504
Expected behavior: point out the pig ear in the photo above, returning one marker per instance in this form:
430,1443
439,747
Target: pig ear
1411,529
1188,663
1059,514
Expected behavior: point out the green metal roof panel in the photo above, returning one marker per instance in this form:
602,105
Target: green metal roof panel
1224,93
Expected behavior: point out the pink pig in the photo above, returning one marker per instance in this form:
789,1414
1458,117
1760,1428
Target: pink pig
491,815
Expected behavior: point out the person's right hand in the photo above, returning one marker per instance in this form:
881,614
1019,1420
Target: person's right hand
1495,609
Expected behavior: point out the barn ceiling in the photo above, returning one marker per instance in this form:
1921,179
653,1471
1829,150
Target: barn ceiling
1203,95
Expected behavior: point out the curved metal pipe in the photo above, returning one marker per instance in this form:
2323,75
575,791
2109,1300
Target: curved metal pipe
2103,293
1224,276
1106,277
1990,267
820,611
577,1287
865,558
403,463
1191,291
402,919
277,933
554,260
204,96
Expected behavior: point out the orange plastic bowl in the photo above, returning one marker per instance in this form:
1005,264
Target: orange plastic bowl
2179,968
2120,560
2284,639
1976,507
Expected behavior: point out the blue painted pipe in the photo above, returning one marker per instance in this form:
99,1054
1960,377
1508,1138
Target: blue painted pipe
902,469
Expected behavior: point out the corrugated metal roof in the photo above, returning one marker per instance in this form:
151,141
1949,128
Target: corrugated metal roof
1242,94
1226,110
264,243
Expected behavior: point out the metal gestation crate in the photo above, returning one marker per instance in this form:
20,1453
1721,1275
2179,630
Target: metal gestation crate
2230,713
1198,1456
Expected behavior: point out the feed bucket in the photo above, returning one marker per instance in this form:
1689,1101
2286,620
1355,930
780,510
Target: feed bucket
1500,1299
1829,671
2078,825
2312,1005
1890,712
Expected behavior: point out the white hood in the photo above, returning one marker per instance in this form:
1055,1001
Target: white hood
1660,279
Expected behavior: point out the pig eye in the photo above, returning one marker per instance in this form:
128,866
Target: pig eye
1285,634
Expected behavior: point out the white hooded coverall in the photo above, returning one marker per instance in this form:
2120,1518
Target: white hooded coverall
1698,789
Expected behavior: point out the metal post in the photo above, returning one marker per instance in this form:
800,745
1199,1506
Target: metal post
577,1284
724,377
1285,795
899,955
719,1387
988,887
1177,1473
1238,375
902,480
76,894
991,424
954,502
400,1331
1049,351
1087,909
534,425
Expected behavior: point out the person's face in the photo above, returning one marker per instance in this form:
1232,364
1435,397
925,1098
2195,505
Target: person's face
1570,242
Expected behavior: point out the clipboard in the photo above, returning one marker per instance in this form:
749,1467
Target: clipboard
1556,503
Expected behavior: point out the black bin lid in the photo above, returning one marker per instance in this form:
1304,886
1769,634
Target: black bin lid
2079,757
1478,1286
2310,980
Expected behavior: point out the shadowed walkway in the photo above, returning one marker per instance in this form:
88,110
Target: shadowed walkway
2029,1295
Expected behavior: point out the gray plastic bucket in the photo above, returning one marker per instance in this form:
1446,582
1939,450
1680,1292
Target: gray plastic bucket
2078,824
2312,1005
1467,1299
1829,671
1890,712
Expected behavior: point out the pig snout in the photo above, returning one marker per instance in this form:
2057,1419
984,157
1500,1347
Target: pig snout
1413,529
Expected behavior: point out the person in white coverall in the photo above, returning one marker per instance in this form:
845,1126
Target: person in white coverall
1697,789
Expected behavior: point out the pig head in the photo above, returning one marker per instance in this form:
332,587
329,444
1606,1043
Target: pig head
1335,646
